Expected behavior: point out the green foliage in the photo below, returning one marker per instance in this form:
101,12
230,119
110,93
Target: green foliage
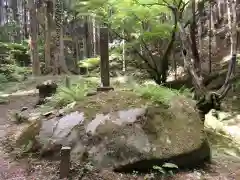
7,31
89,63
3,79
76,92
145,27
130,16
14,56
159,169
16,53
238,59
158,94
27,147
170,166
12,72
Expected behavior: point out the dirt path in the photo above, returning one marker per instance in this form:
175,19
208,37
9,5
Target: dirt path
11,169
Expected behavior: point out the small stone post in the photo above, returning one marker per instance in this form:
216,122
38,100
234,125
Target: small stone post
104,61
65,162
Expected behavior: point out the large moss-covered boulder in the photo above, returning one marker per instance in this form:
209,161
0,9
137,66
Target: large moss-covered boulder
124,132
139,138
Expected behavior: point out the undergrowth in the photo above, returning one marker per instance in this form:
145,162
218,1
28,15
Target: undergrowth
75,91
89,63
159,94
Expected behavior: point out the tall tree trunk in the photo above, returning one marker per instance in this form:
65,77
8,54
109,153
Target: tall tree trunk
33,39
233,23
77,57
89,36
123,55
210,39
14,7
197,62
230,25
47,52
94,35
200,28
25,19
98,40
1,12
7,11
238,24
60,65
62,61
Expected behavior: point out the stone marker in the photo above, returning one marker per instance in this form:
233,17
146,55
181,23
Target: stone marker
65,162
46,89
104,61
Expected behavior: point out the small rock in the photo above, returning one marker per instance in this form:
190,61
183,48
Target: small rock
48,113
66,109
91,93
24,109
235,98
20,117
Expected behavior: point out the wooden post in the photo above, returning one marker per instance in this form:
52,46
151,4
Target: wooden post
104,60
65,162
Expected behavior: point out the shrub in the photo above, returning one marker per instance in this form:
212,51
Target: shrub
17,53
89,63
11,72
75,92
158,94
3,79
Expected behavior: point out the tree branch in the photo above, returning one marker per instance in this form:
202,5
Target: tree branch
198,80
138,53
145,44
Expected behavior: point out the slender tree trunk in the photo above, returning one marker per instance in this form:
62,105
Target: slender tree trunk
47,52
98,40
33,39
89,36
214,20
200,30
197,62
238,24
82,48
77,55
94,35
1,12
14,7
7,12
229,13
25,18
210,39
234,30
123,55
60,64
62,61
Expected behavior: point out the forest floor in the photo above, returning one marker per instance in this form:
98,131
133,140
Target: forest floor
223,167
